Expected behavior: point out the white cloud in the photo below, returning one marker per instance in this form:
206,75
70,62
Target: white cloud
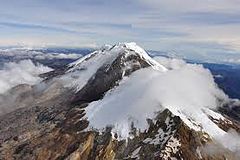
183,6
170,63
185,89
230,140
58,56
232,60
188,90
25,53
23,72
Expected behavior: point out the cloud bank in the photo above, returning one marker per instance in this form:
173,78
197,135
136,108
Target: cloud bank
58,56
23,72
38,55
185,89
229,140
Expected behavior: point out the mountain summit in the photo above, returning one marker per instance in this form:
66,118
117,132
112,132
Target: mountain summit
120,103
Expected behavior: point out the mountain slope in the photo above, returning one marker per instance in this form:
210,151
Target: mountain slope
119,103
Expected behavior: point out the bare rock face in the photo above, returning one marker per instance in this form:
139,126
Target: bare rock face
166,138
54,126
107,77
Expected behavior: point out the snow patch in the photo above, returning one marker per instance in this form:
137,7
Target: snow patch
84,68
143,54
172,147
213,114
198,151
162,136
135,153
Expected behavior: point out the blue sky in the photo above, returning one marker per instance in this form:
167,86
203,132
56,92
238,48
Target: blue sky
203,29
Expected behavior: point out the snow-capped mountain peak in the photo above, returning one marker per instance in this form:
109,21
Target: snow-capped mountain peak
121,48
185,90
120,103
127,56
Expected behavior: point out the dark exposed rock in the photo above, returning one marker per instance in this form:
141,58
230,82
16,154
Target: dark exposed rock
46,116
231,110
106,78
20,148
56,72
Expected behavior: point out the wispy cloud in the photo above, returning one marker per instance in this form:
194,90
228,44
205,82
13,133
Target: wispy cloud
34,26
24,72
211,18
